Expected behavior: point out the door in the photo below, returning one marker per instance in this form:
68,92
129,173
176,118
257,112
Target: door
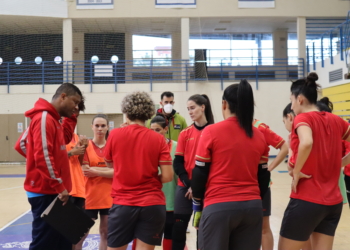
4,138
15,130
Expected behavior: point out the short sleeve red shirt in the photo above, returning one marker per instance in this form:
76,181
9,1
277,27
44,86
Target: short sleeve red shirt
136,152
324,161
234,161
186,147
271,138
346,150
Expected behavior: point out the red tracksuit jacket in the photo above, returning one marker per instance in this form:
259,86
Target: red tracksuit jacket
44,146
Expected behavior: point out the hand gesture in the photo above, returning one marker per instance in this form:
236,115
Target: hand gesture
188,194
64,196
78,150
83,141
296,178
89,172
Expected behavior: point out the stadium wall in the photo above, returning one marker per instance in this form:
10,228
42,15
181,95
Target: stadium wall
270,99
217,8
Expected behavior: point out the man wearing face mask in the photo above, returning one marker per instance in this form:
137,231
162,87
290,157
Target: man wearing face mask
176,122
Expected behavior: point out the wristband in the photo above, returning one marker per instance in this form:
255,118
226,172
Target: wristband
197,205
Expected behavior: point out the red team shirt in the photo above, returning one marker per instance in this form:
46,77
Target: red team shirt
136,153
186,147
325,157
271,138
346,150
234,161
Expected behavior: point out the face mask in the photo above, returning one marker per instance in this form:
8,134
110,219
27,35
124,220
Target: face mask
168,108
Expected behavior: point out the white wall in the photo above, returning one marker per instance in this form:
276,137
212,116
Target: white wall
270,99
210,8
44,8
323,72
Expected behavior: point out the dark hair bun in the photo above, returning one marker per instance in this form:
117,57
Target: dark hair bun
312,77
325,100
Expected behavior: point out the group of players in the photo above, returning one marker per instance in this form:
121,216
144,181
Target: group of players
146,185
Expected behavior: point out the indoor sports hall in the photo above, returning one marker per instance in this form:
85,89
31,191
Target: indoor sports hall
109,48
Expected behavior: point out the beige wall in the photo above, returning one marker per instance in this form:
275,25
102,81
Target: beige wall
270,99
209,8
48,8
323,72
85,120
78,46
146,8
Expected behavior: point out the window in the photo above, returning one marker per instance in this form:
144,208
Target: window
234,49
292,45
148,49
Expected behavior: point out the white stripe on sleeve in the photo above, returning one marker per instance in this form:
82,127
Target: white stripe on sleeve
45,149
22,143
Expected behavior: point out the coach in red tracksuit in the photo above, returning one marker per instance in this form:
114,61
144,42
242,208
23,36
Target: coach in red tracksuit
47,167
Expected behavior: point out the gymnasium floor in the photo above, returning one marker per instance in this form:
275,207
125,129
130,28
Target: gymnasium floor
15,219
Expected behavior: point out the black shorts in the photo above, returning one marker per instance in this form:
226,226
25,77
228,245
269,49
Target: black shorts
78,201
183,205
93,213
231,225
126,223
302,218
266,203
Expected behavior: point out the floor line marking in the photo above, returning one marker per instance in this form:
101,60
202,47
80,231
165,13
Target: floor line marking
10,188
8,224
20,224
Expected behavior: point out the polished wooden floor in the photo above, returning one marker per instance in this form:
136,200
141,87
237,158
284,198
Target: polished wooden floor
14,203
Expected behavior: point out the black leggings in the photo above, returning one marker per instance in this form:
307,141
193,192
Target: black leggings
179,230
347,185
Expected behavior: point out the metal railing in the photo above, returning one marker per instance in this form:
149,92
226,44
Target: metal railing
124,71
333,42
232,57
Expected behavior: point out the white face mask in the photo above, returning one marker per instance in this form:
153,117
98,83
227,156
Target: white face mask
168,108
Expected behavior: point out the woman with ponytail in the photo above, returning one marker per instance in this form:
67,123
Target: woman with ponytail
199,109
98,181
225,176
316,142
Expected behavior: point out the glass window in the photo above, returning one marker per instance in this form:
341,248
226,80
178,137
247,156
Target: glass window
234,49
292,45
148,47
